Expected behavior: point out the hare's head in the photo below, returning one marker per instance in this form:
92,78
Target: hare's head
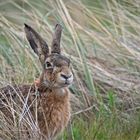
56,67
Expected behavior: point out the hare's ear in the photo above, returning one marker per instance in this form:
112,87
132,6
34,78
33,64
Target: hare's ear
39,46
55,47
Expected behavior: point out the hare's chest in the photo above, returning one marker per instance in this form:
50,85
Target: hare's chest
53,116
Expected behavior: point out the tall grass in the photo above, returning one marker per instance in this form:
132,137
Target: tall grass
102,40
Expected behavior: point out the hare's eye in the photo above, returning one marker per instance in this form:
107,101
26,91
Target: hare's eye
48,65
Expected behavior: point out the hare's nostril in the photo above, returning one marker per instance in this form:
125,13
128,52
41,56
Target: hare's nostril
65,76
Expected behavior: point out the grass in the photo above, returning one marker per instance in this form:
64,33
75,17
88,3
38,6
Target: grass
102,40
104,128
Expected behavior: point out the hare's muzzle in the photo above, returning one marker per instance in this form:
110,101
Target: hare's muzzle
67,78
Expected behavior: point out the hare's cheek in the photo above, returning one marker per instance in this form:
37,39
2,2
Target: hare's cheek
49,70
59,79
47,75
56,73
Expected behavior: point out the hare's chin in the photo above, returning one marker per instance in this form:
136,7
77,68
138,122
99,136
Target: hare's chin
61,85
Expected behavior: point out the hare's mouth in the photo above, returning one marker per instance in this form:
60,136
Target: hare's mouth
67,82
63,84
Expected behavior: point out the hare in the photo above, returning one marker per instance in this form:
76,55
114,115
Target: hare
54,96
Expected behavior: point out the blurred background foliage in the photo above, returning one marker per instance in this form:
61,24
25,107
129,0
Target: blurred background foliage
101,37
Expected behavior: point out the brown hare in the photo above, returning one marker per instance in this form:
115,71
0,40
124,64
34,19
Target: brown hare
53,110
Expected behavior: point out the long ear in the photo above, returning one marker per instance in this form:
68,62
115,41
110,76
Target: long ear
39,46
55,47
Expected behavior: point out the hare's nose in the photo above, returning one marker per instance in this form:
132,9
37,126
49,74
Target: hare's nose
65,76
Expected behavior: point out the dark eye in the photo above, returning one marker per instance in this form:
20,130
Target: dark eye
48,65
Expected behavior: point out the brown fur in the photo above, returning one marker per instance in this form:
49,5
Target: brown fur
56,112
